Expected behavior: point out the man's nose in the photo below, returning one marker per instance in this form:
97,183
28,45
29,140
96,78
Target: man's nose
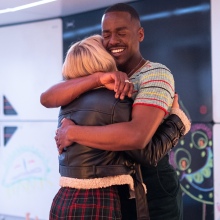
114,39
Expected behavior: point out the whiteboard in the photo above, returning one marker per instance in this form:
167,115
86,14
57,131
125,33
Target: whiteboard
31,61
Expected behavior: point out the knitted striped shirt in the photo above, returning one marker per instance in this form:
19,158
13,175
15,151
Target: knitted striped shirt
153,86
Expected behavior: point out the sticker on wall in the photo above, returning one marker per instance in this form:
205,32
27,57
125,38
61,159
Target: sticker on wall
8,132
8,108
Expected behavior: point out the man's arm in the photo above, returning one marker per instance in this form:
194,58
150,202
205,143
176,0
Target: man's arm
131,135
165,138
64,92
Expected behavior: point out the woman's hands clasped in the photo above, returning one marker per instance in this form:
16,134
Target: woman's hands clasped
117,81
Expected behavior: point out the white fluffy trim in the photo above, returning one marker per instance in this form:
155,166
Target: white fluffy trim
99,182
183,117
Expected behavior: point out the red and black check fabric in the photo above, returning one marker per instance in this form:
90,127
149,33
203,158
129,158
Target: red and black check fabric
86,204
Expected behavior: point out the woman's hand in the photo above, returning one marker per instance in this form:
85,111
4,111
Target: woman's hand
117,81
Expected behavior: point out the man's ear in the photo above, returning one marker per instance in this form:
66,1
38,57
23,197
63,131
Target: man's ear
141,34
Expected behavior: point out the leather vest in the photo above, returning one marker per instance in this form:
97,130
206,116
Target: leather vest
97,108
94,108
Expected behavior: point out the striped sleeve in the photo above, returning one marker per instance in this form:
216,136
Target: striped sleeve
155,87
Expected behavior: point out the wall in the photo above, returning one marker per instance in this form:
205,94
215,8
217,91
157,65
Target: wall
184,35
31,60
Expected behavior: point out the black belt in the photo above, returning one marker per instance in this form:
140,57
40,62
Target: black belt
91,172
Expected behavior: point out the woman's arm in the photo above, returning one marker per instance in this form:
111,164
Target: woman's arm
64,92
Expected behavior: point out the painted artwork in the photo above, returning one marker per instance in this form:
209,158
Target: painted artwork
193,160
29,172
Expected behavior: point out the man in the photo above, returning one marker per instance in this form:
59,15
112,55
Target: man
153,96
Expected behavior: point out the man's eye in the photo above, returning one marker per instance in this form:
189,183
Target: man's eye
105,36
121,34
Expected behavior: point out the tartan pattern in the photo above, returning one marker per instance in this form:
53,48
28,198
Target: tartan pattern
86,204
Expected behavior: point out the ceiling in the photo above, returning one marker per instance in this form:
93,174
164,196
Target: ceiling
52,9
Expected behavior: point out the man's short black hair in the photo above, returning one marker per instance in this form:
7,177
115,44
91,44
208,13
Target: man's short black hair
125,8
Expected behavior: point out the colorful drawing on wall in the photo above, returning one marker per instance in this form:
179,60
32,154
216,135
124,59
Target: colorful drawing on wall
29,169
24,165
193,159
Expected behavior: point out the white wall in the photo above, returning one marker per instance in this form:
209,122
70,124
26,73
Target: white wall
31,61
215,32
216,150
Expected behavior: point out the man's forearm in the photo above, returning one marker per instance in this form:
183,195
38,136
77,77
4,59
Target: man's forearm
64,92
131,135
114,137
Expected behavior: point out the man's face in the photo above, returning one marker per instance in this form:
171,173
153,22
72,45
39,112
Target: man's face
121,36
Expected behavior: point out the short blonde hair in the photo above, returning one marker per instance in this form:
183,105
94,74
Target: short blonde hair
86,57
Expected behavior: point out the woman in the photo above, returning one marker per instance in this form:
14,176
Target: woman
89,177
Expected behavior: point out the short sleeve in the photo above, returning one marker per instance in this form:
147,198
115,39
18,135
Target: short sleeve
155,87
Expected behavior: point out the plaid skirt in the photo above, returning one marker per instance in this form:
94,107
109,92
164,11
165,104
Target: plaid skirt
86,204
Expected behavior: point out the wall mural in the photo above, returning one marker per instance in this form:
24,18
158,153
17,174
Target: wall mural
193,159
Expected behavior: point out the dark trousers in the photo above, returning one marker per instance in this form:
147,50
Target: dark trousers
164,194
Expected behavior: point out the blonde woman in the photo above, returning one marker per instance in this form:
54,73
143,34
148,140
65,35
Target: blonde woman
90,177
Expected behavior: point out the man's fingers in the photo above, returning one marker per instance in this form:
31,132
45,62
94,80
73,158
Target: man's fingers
60,149
175,101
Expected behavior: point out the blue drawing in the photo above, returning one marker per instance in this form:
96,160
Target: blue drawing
27,165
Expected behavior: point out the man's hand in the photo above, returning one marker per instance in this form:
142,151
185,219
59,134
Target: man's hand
61,137
175,101
117,81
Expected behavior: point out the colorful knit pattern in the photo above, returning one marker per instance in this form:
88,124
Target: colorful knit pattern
153,86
